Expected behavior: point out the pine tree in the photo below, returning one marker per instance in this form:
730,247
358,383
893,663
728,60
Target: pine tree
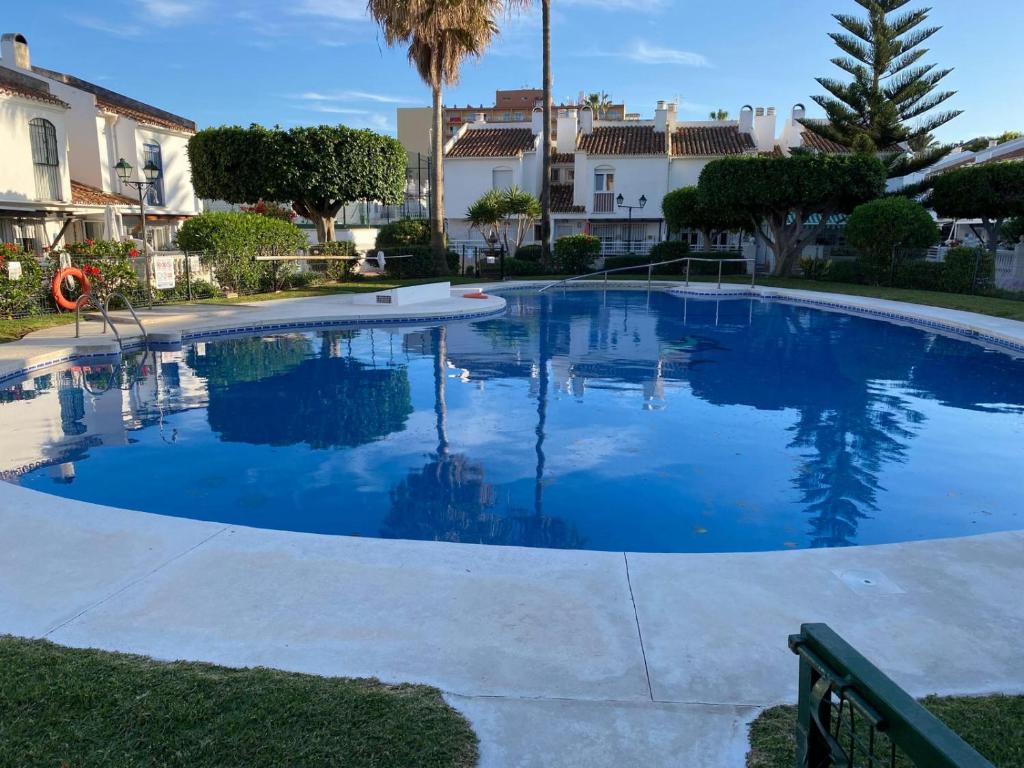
892,97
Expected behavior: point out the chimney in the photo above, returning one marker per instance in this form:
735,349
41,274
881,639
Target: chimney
747,119
586,120
993,143
764,129
14,51
479,117
799,112
665,117
537,121
565,132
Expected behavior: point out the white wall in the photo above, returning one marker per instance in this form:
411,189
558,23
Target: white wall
466,179
17,175
634,176
685,172
85,149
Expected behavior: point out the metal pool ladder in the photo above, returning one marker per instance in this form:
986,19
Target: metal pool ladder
86,299
650,270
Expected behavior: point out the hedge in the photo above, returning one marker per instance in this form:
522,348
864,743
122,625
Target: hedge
956,274
532,252
575,254
404,232
420,265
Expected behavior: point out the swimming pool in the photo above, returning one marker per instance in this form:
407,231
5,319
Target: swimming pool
621,421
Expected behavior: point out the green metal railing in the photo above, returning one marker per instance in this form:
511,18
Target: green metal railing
850,715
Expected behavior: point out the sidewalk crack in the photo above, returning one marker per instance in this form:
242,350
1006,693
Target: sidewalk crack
639,633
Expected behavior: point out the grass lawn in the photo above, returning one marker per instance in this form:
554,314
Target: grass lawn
993,725
12,330
92,709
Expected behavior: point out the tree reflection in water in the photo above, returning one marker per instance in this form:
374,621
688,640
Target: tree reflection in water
449,499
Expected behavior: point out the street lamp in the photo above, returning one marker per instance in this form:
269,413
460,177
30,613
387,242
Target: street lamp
621,202
151,174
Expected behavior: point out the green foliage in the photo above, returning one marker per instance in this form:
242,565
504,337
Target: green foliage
889,95
517,267
404,232
21,296
686,209
532,252
93,709
967,269
816,269
336,270
889,229
846,271
1013,231
991,192
667,250
622,262
422,263
231,241
982,142
508,214
575,254
921,275
317,169
114,265
776,195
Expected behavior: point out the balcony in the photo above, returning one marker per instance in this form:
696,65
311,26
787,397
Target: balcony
604,202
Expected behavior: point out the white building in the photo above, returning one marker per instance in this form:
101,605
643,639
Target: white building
597,161
60,138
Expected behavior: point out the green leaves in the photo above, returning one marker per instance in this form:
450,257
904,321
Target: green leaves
881,225
991,191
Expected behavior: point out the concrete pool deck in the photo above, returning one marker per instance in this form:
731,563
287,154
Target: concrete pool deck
559,658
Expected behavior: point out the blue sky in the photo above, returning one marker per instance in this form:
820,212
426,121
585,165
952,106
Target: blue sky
321,61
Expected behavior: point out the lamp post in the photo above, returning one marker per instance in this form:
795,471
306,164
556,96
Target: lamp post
621,202
151,173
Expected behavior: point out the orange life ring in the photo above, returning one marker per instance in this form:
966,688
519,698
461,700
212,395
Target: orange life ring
58,292
476,295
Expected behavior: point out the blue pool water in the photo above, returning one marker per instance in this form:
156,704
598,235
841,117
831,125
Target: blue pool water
616,421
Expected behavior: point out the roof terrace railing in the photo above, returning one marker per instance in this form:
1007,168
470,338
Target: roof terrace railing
850,714
650,271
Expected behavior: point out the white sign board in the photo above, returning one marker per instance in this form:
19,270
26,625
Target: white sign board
14,270
163,272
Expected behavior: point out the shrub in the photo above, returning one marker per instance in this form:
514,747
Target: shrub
21,296
575,254
621,262
884,230
201,289
815,269
112,266
667,250
337,270
532,252
921,275
404,232
302,280
231,241
517,267
420,265
967,269
846,271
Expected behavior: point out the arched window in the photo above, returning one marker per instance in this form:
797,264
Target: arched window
501,178
151,154
45,159
604,189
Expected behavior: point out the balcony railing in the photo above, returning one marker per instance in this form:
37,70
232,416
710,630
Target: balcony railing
604,202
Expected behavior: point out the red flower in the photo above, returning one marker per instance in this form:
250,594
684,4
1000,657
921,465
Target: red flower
90,242
134,252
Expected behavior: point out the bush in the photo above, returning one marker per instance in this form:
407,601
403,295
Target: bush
201,289
517,267
231,241
960,266
575,254
532,252
420,265
21,296
888,228
302,280
404,232
621,262
336,270
846,271
667,250
921,275
816,269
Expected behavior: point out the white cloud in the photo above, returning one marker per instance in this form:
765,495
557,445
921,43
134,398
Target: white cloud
327,109
339,10
647,53
170,11
379,98
103,25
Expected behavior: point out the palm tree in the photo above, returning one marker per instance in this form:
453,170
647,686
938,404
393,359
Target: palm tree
719,114
441,35
598,102
545,151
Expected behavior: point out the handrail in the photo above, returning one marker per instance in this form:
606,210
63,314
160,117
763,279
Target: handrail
650,268
122,297
83,300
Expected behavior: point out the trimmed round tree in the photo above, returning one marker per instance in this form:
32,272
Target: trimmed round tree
993,192
787,201
685,209
882,229
316,169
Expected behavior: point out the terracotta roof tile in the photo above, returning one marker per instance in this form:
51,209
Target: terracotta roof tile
83,194
563,158
623,140
15,85
562,199
710,141
811,140
493,142
144,117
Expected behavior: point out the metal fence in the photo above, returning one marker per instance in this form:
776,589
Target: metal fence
850,714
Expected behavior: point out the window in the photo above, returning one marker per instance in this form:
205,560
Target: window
604,190
151,154
501,178
45,159
518,117
555,175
